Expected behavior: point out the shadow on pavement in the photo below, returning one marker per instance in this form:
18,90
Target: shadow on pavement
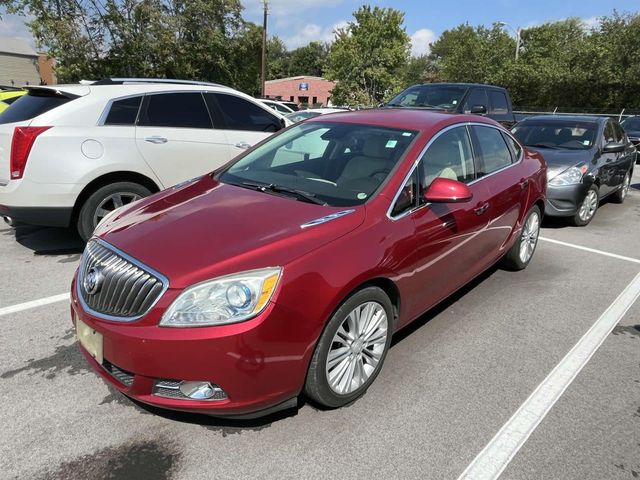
49,241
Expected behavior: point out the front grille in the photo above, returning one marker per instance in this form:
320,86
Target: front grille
115,286
122,376
171,389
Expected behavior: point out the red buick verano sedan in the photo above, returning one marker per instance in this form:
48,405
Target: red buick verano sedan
288,270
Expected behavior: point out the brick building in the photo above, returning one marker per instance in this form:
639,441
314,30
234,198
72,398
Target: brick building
302,90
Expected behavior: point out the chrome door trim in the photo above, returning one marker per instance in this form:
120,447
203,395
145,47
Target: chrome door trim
424,150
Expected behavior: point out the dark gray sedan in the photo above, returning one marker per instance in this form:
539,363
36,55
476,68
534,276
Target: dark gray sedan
588,159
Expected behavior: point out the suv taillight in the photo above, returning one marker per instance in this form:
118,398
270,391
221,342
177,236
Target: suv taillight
23,138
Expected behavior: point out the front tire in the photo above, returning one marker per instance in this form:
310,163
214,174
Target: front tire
351,349
105,200
588,207
521,253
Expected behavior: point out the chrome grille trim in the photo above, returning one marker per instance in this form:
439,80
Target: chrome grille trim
129,290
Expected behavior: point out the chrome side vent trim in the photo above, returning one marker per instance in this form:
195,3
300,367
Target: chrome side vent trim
328,218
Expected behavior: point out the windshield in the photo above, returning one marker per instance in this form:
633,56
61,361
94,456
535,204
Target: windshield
569,135
338,164
631,124
442,97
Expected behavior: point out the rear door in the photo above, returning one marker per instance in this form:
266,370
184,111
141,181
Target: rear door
500,156
452,245
627,158
608,162
175,135
244,123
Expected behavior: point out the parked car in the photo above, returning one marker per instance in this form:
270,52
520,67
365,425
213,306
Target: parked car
292,105
588,158
8,95
631,126
303,115
291,267
70,154
479,99
277,106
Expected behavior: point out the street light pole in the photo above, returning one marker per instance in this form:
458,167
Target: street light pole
263,69
518,32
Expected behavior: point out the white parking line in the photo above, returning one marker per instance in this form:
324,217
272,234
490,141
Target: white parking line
592,250
495,457
34,303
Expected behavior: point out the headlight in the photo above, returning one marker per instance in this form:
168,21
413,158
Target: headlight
571,176
223,300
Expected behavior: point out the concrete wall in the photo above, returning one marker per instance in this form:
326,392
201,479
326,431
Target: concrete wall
289,89
19,69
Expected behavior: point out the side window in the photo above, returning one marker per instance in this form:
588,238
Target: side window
499,104
478,96
123,112
494,150
516,149
449,156
307,147
240,114
609,133
182,110
407,198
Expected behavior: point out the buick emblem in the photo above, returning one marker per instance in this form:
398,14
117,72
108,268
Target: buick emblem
93,280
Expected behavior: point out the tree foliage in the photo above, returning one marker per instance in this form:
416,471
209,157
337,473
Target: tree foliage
368,56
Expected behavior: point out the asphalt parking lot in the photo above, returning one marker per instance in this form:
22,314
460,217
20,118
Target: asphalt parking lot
450,383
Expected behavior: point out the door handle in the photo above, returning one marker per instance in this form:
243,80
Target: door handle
524,184
156,139
243,145
482,208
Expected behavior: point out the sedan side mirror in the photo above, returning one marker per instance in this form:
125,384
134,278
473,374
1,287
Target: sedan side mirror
613,147
445,190
479,110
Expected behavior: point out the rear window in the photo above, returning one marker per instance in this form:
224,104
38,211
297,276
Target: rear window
31,105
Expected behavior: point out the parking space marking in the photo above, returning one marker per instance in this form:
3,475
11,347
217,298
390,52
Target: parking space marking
33,304
497,454
591,250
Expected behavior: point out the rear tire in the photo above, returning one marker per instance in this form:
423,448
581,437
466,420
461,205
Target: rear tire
105,200
357,347
521,252
588,207
623,191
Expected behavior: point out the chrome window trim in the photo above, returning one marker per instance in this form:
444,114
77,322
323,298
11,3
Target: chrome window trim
137,263
424,150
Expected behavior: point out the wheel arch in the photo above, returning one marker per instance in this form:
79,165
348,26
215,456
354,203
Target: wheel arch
106,179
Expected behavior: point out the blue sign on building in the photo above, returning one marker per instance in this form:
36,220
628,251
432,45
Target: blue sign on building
303,86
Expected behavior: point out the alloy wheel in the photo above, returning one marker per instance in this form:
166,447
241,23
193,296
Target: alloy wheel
588,206
110,203
529,237
625,186
357,348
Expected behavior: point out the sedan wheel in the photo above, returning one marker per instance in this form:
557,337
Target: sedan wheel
529,237
351,349
587,208
357,348
623,191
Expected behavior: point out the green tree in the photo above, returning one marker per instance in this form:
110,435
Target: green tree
368,56
309,60
278,59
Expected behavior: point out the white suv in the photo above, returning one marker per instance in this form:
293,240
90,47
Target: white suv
70,154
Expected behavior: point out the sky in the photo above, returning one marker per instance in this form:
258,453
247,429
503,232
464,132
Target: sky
297,22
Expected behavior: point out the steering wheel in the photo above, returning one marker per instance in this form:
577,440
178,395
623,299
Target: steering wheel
386,171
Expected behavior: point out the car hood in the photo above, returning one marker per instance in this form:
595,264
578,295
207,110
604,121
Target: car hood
633,133
206,229
559,160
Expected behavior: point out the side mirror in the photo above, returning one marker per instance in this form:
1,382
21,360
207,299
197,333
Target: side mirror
613,147
478,110
445,190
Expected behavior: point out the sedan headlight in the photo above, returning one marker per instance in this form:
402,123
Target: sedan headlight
223,300
571,176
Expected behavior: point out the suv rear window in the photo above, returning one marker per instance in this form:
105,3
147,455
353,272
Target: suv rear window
124,112
33,104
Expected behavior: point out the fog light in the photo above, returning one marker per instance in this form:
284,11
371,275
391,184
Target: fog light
197,390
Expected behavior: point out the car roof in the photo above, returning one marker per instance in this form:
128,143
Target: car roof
118,90
403,118
571,118
461,84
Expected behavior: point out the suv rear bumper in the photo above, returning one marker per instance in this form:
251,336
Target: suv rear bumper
42,216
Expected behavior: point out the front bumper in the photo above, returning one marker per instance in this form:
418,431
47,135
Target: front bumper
564,201
260,364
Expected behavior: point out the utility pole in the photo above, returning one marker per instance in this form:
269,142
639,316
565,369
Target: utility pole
263,71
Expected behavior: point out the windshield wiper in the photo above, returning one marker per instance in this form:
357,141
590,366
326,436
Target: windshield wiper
544,145
299,194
